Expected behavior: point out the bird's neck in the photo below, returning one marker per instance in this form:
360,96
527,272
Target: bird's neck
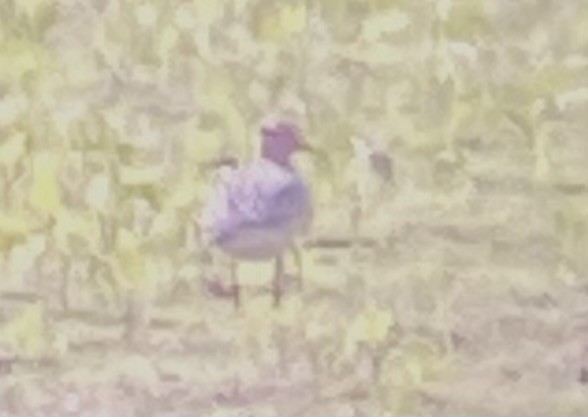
283,162
277,155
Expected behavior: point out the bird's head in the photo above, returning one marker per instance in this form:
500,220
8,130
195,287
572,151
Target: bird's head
280,140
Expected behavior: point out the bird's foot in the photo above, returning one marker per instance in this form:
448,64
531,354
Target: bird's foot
288,283
218,289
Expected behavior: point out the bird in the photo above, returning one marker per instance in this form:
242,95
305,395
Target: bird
257,211
371,173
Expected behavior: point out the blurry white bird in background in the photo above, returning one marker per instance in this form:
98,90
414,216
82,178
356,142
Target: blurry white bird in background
371,176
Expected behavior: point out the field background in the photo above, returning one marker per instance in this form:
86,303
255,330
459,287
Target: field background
472,298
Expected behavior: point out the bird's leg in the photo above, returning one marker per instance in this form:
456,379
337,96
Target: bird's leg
235,283
355,221
277,284
297,254
356,217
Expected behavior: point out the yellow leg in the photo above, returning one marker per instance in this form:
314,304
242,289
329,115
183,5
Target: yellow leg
356,218
297,255
235,283
277,285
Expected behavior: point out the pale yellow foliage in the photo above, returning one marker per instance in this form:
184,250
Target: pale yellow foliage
280,22
26,333
45,193
371,327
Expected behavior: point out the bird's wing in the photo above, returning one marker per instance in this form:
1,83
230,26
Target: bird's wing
288,205
258,194
266,194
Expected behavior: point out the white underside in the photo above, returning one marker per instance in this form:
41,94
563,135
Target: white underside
258,243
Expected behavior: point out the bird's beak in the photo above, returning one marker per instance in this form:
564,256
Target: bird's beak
320,156
306,147
312,150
